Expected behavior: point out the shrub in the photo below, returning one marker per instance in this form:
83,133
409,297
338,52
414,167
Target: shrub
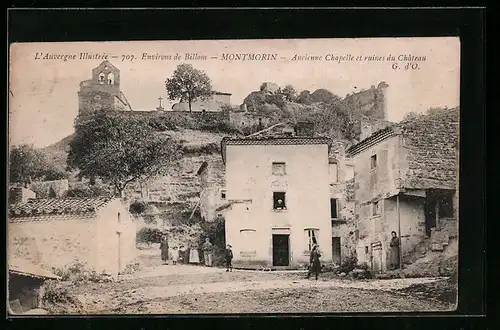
219,127
137,207
55,293
88,191
349,264
149,235
210,148
78,272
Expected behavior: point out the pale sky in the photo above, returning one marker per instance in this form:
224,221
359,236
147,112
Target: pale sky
44,101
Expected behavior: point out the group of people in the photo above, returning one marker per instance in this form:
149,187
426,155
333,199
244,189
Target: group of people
207,247
178,254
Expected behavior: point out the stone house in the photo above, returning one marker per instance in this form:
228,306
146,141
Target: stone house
406,181
216,102
25,286
98,232
278,197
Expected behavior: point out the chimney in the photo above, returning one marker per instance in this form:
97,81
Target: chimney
304,129
20,195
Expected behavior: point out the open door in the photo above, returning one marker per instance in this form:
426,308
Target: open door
336,250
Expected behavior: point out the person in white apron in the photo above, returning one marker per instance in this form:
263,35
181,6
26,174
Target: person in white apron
194,257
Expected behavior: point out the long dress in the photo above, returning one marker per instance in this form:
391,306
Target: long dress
315,263
394,244
164,250
194,257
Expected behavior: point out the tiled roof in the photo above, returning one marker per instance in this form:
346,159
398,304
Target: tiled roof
292,140
271,140
56,206
27,268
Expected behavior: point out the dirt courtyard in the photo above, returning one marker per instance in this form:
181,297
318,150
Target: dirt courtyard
187,289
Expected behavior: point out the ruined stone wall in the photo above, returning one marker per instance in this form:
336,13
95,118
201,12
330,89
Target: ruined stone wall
181,184
246,119
50,189
431,144
185,119
371,102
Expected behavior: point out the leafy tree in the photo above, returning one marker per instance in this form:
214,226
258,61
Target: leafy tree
26,164
289,93
325,96
188,84
120,149
304,97
411,115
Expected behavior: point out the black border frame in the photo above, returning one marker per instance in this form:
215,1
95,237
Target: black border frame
35,25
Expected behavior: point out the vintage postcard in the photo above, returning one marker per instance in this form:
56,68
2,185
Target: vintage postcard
233,176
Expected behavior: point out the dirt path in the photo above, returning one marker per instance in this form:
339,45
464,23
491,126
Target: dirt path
168,289
154,292
157,290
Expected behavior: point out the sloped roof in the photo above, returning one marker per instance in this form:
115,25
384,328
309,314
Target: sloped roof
27,268
56,206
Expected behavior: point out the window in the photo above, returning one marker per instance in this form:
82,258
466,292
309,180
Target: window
119,217
373,161
279,168
223,194
333,208
279,201
334,177
366,249
312,238
111,78
376,210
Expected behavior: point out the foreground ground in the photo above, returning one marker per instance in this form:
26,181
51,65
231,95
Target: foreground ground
183,289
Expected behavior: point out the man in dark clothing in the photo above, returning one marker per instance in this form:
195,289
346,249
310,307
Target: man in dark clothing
164,249
315,264
228,256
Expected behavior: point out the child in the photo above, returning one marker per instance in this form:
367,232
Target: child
175,255
228,256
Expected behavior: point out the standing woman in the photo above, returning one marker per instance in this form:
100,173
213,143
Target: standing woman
315,264
194,257
395,245
164,249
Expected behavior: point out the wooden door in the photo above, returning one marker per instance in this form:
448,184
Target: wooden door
281,250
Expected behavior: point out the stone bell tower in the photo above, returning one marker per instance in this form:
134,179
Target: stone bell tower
102,92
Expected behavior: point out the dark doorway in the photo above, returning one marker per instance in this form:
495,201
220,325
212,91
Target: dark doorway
52,193
430,215
281,254
336,251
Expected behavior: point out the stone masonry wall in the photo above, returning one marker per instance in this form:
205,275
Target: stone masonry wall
432,150
371,102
